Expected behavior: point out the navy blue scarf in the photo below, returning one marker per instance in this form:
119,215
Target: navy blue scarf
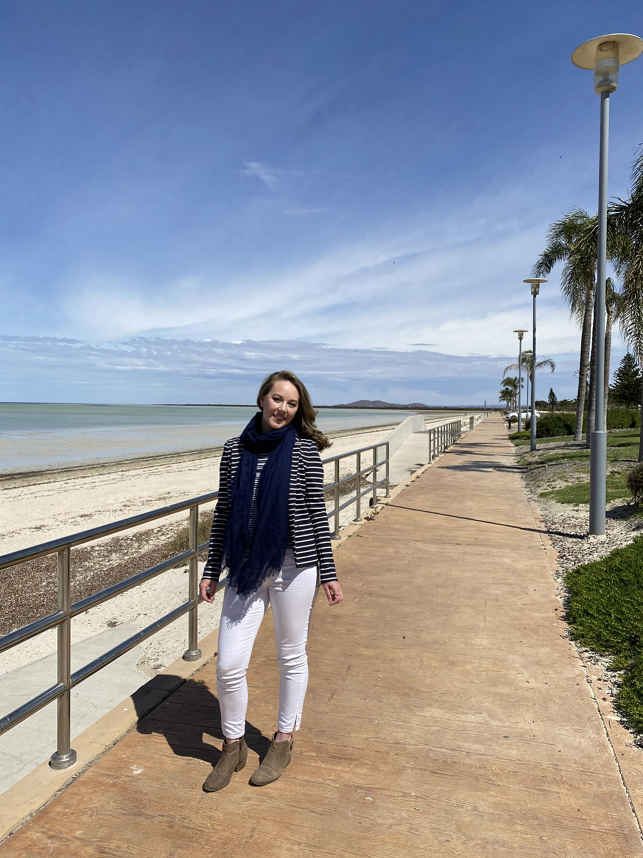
252,557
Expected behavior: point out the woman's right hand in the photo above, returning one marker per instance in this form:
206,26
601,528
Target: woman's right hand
207,589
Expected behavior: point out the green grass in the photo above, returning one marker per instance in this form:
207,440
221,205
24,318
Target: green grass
606,614
579,492
623,445
520,442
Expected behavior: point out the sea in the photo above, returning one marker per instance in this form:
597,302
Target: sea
42,436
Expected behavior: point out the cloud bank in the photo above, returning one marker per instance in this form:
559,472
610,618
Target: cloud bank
155,369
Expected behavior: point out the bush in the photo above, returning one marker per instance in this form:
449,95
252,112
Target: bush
180,542
623,418
552,425
635,482
517,436
564,422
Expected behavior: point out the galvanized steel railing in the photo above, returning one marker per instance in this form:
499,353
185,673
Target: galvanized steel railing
440,438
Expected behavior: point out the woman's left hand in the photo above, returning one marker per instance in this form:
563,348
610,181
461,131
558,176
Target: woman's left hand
333,592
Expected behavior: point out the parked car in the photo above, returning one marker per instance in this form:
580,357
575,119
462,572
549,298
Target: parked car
526,415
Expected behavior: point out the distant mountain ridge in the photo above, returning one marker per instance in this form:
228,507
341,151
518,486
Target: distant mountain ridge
379,403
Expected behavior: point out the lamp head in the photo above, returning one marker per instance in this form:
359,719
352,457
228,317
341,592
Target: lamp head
606,54
535,284
520,332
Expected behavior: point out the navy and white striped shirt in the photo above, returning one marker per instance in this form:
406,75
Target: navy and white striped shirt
261,461
309,530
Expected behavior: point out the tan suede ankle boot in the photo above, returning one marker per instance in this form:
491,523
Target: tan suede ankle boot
276,760
233,759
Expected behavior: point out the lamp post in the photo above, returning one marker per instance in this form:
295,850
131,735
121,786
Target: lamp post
520,332
535,289
604,55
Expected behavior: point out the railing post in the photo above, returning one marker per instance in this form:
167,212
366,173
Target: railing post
388,471
471,422
374,501
336,533
193,653
64,756
358,509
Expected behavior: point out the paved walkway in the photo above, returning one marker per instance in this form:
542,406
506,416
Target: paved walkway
446,714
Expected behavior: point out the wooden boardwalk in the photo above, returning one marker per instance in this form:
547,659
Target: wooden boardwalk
446,715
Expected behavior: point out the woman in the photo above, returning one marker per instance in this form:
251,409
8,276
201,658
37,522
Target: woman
270,531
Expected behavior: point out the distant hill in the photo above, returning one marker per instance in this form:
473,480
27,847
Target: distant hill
378,403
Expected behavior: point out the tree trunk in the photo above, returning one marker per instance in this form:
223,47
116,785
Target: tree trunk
527,372
608,353
591,405
641,433
585,342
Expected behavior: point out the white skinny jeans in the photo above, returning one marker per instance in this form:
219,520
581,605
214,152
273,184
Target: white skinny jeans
291,592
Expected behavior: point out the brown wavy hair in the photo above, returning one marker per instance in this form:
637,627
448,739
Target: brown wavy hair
304,419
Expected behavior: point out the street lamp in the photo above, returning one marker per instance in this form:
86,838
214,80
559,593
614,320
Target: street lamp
535,289
520,332
604,55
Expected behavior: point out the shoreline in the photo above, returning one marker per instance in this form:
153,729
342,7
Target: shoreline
17,479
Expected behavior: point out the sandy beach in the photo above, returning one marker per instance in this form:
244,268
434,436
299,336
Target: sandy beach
51,506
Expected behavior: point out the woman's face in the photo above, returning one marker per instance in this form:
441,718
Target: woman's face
279,406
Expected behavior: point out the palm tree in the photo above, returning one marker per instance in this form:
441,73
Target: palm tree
527,361
512,383
567,242
626,222
506,396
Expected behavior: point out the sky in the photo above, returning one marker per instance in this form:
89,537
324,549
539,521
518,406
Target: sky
196,194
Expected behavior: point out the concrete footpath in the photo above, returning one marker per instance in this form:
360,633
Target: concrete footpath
446,713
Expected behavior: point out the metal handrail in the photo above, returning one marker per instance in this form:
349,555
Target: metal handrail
439,439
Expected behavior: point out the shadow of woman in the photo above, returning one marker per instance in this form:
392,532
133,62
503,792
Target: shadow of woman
190,712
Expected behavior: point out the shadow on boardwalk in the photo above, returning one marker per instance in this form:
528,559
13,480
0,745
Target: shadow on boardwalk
486,521
188,715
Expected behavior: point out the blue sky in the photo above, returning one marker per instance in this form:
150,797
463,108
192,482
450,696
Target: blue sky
347,176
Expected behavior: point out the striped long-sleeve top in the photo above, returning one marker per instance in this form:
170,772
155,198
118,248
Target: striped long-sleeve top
309,530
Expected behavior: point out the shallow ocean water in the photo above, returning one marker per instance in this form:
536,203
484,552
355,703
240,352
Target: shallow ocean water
36,436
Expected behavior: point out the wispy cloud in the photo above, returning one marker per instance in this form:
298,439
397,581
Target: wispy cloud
268,175
449,281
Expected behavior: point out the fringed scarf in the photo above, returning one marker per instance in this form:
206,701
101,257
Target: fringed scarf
252,555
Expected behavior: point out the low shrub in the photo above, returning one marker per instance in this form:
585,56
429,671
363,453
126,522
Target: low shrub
518,436
553,425
180,542
635,482
623,418
564,422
